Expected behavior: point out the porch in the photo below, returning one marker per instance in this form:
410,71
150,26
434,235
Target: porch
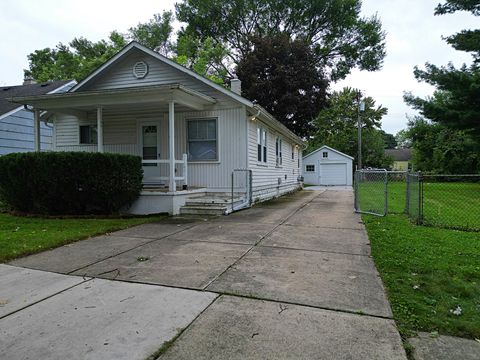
101,121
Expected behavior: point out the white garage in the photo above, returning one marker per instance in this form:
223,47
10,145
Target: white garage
328,167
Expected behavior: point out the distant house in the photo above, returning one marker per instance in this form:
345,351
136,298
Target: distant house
204,148
16,122
327,166
401,158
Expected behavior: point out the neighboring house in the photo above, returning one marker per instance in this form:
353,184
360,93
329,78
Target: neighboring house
327,166
401,158
16,122
193,135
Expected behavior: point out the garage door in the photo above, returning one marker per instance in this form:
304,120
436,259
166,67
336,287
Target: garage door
333,174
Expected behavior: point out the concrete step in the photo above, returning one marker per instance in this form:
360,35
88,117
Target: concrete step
212,201
202,210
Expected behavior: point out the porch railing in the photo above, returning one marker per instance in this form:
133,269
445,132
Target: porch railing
183,165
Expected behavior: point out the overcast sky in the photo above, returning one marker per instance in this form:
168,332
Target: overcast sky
414,36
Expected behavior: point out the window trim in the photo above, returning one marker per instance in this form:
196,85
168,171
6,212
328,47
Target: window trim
262,145
278,152
309,165
93,138
209,161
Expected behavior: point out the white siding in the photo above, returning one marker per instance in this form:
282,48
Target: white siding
336,167
121,136
266,176
16,133
120,75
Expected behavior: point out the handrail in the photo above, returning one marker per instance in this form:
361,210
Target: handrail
183,162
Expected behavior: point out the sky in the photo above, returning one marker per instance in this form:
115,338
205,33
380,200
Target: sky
414,36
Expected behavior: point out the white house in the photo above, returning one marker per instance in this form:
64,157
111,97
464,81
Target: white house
327,166
204,148
16,122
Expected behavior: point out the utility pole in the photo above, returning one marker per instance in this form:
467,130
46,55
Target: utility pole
360,108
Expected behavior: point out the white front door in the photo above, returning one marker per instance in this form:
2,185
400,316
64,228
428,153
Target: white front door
150,150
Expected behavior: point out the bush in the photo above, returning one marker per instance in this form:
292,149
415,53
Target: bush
69,182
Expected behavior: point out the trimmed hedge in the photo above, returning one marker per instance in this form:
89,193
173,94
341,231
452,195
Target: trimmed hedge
69,182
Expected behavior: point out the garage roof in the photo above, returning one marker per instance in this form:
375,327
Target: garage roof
329,148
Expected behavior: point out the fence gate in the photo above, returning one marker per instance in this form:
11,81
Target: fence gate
371,192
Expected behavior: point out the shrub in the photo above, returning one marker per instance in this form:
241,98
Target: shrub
69,182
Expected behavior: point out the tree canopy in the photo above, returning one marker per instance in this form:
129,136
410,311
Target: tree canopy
282,76
440,149
340,37
456,100
336,126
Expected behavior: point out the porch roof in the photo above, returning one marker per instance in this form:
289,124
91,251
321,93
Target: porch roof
160,94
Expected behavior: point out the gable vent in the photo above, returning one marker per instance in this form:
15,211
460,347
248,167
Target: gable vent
140,70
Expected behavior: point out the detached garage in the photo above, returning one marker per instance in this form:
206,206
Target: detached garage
328,167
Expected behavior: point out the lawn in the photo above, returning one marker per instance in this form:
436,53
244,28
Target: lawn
450,205
429,274
20,236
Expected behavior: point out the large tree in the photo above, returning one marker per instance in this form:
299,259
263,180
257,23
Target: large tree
340,37
81,56
281,75
440,149
337,127
456,100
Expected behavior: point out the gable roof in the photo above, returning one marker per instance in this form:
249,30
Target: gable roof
399,154
254,109
7,92
164,59
329,148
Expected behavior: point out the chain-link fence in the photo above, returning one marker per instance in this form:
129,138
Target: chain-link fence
396,191
371,192
413,197
451,201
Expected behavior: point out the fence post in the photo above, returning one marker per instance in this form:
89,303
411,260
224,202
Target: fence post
420,198
386,193
233,175
250,187
407,195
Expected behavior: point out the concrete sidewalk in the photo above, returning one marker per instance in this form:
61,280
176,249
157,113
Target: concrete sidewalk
294,280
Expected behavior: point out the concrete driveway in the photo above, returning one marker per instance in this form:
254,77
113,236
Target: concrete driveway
287,279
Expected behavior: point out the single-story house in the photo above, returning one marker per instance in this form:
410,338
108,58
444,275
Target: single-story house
327,166
205,148
401,158
16,122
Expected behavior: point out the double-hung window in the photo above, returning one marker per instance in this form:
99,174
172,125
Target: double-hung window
88,134
278,151
261,145
202,139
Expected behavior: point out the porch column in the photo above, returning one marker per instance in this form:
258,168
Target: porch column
100,129
171,145
36,129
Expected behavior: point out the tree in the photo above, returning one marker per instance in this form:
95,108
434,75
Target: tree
389,140
81,56
281,75
73,61
156,33
337,127
340,37
440,149
456,100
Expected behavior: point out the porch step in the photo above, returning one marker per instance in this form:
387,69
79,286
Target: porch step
212,201
203,210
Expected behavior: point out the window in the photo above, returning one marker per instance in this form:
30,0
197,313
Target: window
293,152
88,134
310,168
261,145
325,154
278,151
202,140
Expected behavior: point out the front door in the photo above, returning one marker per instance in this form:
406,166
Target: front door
150,150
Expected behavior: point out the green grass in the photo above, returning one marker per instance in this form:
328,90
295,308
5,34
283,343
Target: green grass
20,236
449,205
427,272
454,205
